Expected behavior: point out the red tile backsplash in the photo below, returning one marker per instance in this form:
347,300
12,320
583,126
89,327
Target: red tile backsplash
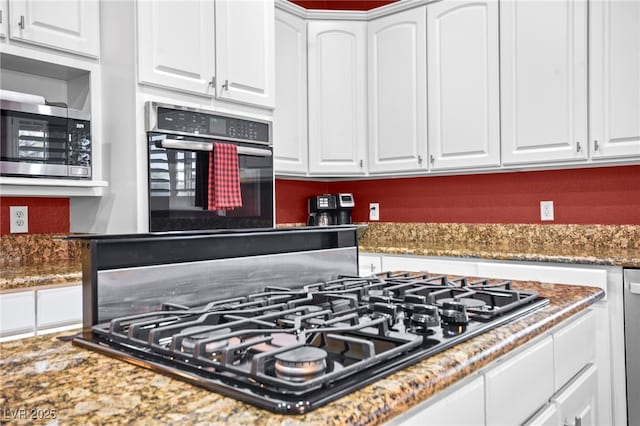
601,195
46,215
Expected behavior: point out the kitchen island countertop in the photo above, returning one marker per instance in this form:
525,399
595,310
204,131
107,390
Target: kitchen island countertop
48,376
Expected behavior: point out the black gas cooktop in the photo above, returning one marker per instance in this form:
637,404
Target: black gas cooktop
293,350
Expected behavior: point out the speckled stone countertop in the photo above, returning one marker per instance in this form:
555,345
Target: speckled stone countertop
586,244
14,277
84,387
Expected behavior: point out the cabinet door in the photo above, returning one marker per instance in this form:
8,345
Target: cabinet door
543,54
577,402
4,16
614,66
71,25
528,374
245,51
59,306
290,116
337,98
397,92
444,412
463,79
17,313
176,47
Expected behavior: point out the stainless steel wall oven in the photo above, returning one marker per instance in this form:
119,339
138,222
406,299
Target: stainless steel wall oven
181,145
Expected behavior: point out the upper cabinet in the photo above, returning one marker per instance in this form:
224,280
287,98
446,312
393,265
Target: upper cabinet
614,66
223,48
463,84
71,25
290,114
3,18
543,58
397,92
245,51
337,97
177,45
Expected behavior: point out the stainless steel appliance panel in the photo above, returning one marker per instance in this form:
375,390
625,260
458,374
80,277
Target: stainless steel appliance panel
632,342
128,291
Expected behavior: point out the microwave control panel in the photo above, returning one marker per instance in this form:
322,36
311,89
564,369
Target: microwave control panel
204,124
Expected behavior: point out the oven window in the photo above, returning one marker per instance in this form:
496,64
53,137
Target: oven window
27,138
178,192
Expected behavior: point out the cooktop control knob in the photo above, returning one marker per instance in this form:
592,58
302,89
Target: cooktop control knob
425,316
454,313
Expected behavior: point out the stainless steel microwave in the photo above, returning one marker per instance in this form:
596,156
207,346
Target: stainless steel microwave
180,143
44,141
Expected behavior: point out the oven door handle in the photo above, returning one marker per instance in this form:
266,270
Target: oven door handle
206,146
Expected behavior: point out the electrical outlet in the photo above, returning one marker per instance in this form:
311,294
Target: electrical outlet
374,211
546,210
19,219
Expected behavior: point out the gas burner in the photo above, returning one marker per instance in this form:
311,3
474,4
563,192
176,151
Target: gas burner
201,332
301,364
468,302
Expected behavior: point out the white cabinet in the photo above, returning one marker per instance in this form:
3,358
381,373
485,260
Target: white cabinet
337,97
614,66
17,313
177,45
4,16
529,372
290,115
397,92
443,412
59,306
245,51
369,265
73,26
543,59
463,84
577,403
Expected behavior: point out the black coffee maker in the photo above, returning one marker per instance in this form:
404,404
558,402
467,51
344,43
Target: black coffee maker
322,210
344,206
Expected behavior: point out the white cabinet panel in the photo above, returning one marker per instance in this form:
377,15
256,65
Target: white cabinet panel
530,374
577,404
290,115
433,265
71,25
176,44
397,92
4,17
463,62
369,264
614,66
444,412
337,97
549,416
573,348
245,51
59,306
17,313
543,59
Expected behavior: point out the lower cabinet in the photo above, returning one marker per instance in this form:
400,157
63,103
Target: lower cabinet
38,310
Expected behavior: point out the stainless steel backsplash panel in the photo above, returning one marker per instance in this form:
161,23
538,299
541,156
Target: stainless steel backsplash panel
133,290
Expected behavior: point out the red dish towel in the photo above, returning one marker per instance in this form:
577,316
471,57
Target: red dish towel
224,178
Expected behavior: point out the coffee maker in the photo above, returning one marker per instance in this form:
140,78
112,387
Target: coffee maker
344,207
330,209
322,210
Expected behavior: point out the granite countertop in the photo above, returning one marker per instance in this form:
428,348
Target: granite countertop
84,387
53,272
625,257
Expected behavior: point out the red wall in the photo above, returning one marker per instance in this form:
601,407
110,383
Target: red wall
46,215
342,4
604,195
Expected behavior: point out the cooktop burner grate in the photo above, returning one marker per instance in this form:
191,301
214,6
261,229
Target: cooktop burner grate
292,350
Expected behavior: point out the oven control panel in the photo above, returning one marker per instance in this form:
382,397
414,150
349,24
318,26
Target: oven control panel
206,124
